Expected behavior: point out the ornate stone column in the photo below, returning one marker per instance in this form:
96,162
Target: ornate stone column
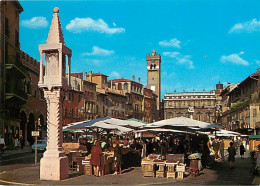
54,164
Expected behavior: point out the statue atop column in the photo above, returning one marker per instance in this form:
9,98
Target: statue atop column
54,164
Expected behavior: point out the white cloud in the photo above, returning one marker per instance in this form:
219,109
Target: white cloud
96,51
171,43
216,77
234,58
181,59
257,62
35,22
79,25
114,24
249,26
115,75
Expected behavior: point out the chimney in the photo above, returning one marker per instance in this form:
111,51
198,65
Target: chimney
86,74
90,76
133,78
139,80
228,84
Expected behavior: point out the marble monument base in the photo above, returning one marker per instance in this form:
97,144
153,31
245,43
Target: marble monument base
54,167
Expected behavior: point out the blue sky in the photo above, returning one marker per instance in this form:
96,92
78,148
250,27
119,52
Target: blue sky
201,42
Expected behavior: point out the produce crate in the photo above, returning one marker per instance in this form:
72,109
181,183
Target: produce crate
148,170
170,168
171,174
180,175
160,174
180,168
88,170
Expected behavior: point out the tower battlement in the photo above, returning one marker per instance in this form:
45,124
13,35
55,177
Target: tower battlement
29,61
154,55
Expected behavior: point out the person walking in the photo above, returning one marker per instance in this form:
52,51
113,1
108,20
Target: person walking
95,160
242,150
231,155
21,141
221,150
2,144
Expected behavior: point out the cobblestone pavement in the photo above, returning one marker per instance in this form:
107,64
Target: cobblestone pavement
219,174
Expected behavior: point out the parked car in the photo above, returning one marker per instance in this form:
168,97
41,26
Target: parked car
41,145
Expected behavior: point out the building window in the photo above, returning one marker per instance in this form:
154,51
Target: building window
125,86
254,112
7,27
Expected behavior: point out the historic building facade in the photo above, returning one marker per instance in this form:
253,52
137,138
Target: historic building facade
12,75
196,105
134,92
21,101
241,105
149,106
35,107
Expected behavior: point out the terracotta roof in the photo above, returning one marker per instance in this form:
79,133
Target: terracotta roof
76,74
97,74
119,80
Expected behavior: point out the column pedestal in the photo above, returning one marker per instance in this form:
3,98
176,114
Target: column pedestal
54,165
54,168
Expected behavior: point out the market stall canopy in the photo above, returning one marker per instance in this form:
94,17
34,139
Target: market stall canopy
228,132
84,124
115,121
72,130
163,130
104,123
133,119
254,136
136,124
183,122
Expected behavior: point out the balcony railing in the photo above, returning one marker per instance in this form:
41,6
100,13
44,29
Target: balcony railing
18,94
13,62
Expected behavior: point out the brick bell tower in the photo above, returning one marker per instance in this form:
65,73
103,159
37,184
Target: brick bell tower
154,75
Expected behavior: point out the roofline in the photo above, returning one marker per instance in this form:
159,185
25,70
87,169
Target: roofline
128,80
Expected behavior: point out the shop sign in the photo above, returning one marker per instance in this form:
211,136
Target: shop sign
35,133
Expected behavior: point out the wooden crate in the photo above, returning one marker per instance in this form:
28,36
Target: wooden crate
161,168
179,175
146,167
171,175
180,168
88,170
170,168
148,174
160,174
148,170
